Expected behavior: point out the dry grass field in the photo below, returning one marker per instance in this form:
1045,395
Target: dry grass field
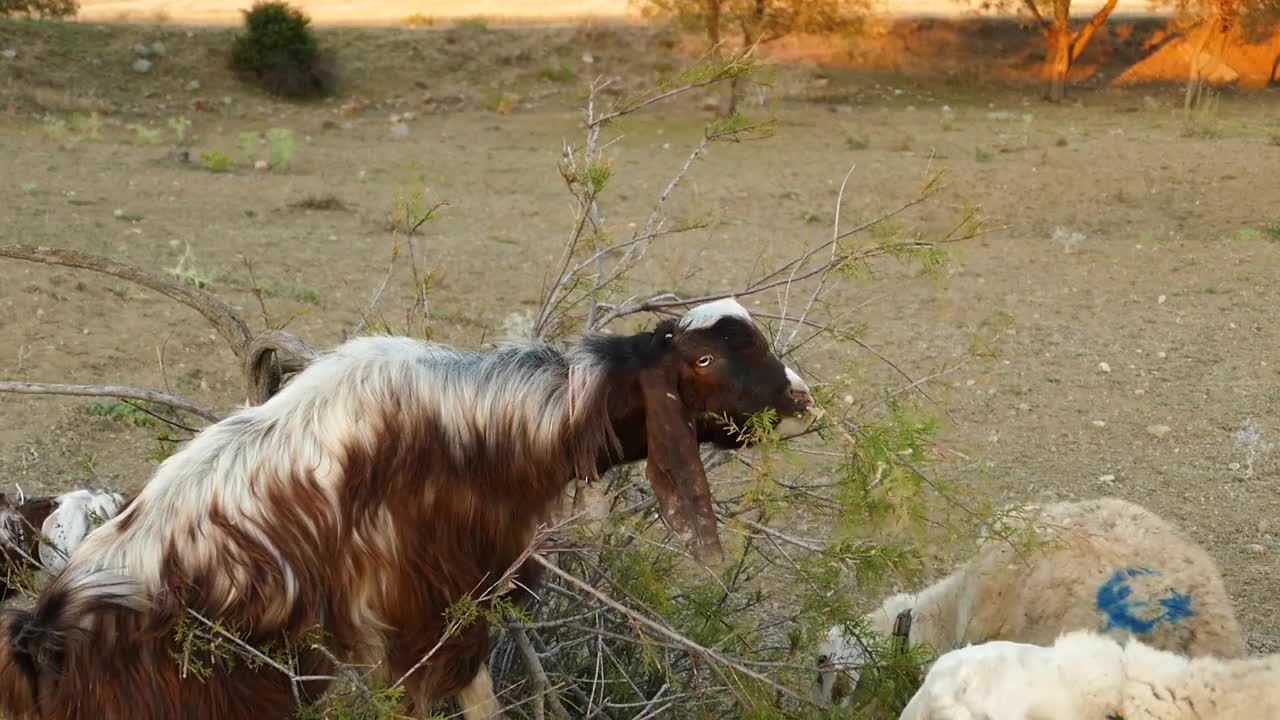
1132,255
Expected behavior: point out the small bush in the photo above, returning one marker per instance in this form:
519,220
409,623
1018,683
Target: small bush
216,161
283,147
559,72
40,8
280,53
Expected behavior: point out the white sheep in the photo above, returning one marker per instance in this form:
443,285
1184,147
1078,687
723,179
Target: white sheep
1110,566
1085,675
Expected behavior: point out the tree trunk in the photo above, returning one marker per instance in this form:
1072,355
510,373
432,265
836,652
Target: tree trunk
1058,62
713,24
1215,28
1065,48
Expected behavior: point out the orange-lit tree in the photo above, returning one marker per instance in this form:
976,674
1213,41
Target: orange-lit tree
1065,45
757,22
1209,25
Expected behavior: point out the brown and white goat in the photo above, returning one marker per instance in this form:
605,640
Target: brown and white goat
386,481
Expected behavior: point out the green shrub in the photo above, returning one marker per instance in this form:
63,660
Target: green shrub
280,53
216,161
40,8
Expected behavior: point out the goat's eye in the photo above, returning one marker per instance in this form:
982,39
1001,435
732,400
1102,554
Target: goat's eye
705,360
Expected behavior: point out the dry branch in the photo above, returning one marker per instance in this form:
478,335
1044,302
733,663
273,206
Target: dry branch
115,391
265,358
224,320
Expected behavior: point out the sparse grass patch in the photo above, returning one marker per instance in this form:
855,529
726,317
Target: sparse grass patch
283,147
857,142
560,72
1270,231
181,127
120,412
1061,142
983,155
300,293
143,135
1274,139
90,124
54,128
216,161
1202,123
418,20
248,145
327,201
472,24
188,273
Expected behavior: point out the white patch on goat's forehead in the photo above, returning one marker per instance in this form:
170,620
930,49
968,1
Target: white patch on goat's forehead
708,314
796,381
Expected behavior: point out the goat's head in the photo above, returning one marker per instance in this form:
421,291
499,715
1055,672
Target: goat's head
713,365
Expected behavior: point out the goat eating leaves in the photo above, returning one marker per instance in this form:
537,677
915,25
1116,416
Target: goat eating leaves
387,481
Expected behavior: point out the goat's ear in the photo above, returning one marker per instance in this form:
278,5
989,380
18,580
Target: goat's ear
674,466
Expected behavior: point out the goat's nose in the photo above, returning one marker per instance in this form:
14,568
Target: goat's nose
799,391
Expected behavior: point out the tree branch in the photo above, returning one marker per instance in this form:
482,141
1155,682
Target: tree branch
1035,12
225,321
116,391
541,685
1082,38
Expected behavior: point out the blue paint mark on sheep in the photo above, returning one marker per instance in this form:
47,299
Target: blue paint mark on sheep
1114,600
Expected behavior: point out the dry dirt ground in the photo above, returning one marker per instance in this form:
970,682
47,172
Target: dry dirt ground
1133,256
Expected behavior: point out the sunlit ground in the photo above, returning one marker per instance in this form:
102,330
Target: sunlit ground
378,12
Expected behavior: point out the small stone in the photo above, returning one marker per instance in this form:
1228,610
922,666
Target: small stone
848,399
1255,549
1159,431
118,213
1024,407
1139,391
1233,466
1160,300
141,65
588,58
142,51
260,165
1099,423
1104,367
9,53
1106,478
158,48
193,86
1162,354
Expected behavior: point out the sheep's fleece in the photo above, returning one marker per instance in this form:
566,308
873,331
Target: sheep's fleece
1110,566
1088,676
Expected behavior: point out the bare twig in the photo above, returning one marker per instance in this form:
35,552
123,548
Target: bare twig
377,295
541,685
115,391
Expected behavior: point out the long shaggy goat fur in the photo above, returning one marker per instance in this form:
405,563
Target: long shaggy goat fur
388,480
1087,676
1109,566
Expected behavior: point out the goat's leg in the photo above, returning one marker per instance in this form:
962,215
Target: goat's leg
477,699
